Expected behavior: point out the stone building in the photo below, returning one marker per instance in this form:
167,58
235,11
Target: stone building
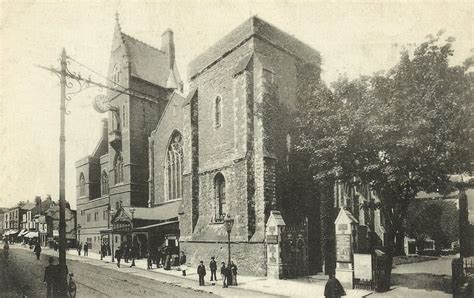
226,148
116,173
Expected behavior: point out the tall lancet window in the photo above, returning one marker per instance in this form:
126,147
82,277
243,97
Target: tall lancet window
118,168
218,112
219,192
174,168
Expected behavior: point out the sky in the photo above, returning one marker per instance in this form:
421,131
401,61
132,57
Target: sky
354,38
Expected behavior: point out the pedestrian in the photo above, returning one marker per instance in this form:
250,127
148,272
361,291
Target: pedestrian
118,255
167,258
71,287
134,255
50,276
126,253
182,263
213,268
333,288
37,250
149,260
233,270
86,249
201,271
158,257
224,275
79,248
6,251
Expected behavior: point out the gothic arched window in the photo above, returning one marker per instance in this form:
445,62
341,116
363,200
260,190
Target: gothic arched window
118,168
218,112
116,74
104,183
219,192
82,185
174,168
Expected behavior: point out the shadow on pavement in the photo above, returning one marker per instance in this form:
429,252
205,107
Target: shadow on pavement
423,281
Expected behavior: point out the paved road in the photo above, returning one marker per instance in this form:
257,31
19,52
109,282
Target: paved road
24,274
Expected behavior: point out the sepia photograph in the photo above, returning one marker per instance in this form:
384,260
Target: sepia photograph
248,148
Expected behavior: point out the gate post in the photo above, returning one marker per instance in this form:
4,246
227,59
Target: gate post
345,225
274,227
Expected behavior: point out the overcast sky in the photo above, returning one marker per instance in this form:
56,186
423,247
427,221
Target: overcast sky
353,38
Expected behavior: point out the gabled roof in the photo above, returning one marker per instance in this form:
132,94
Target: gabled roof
149,63
258,28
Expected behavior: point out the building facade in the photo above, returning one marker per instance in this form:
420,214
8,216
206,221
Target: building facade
226,148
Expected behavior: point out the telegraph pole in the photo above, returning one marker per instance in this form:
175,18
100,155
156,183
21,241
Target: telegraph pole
62,186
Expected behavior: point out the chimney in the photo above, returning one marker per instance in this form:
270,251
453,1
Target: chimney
167,46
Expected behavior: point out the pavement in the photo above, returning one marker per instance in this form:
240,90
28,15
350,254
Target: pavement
248,285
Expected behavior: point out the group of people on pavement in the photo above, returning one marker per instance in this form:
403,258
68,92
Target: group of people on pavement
80,247
126,252
228,273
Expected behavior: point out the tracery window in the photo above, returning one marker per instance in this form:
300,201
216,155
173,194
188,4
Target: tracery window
116,74
104,183
174,168
82,185
219,191
218,112
118,168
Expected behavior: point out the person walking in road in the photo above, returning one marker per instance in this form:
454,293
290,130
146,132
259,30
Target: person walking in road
134,255
50,276
224,275
333,288
118,256
86,249
37,250
233,270
6,251
149,260
182,263
79,249
201,271
213,268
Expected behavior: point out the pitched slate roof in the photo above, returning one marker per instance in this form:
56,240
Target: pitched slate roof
261,29
149,63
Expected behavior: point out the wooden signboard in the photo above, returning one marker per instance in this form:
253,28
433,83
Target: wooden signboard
343,248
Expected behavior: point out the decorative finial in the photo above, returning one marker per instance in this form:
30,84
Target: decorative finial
117,16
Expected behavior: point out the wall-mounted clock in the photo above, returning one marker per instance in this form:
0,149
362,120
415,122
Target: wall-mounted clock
101,103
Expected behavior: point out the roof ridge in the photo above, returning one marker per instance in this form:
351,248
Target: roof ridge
140,41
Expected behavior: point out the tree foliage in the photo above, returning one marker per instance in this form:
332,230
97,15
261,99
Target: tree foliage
399,132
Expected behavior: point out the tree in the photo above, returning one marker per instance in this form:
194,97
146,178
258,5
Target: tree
399,132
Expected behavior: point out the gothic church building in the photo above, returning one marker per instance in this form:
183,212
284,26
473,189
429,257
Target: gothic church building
224,148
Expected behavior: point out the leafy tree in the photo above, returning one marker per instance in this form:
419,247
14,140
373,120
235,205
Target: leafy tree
399,132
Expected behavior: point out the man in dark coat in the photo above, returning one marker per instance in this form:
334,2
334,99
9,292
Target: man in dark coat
182,263
118,256
233,271
37,250
86,249
224,275
213,268
50,276
201,271
79,248
333,288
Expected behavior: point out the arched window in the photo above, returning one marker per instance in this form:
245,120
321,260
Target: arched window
104,183
219,191
174,168
218,112
116,74
118,168
82,185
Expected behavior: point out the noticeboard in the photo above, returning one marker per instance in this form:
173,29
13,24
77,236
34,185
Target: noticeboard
363,266
343,248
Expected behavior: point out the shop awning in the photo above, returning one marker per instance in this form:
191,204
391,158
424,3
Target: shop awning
31,235
155,225
23,232
55,233
12,232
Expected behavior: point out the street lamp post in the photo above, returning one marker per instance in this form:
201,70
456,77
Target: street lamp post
229,223
112,213
79,234
132,211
